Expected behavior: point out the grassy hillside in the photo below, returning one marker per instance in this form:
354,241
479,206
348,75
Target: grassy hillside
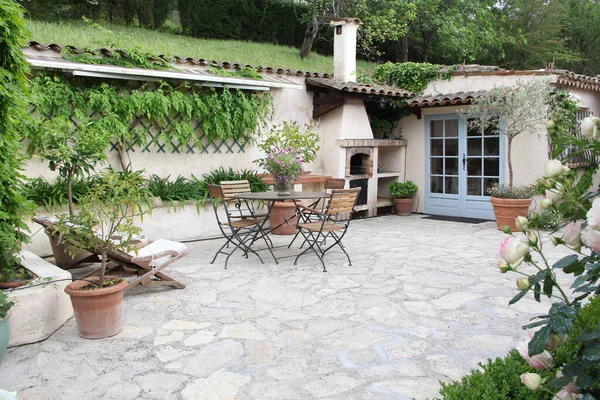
83,34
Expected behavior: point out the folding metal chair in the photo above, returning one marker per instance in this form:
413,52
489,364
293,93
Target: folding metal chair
333,223
243,209
311,212
240,233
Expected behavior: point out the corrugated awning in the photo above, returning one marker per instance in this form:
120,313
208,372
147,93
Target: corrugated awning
180,72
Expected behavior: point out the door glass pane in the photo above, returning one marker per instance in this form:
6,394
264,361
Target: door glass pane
491,146
437,184
474,146
452,147
452,128
437,128
487,182
491,167
474,186
493,128
452,185
474,166
437,166
452,166
472,129
437,147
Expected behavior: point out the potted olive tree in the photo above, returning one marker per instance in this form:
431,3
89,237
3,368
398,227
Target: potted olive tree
403,194
72,151
5,307
518,110
107,211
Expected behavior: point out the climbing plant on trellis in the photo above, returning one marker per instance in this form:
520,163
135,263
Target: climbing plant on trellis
161,118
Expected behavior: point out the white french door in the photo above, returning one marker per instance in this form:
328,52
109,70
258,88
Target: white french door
462,161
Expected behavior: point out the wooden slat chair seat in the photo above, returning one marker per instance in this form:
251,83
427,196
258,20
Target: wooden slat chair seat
240,233
242,209
312,211
316,226
333,224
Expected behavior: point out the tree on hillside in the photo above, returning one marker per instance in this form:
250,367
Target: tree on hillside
462,30
321,11
541,24
581,28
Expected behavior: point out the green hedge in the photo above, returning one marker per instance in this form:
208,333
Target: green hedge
501,378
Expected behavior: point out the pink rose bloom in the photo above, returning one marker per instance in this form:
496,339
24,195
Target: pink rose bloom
566,394
539,361
593,215
591,239
572,234
531,380
512,250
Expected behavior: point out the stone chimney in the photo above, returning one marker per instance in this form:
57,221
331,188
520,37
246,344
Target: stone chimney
344,48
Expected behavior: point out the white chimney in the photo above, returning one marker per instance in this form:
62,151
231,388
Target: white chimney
344,48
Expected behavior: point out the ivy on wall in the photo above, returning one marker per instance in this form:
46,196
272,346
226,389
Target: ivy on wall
182,114
409,75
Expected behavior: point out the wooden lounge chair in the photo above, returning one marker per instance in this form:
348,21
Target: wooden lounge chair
149,261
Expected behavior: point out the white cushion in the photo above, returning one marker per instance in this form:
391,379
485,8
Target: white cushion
158,246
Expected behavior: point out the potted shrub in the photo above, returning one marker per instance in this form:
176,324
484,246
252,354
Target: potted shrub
403,194
518,110
72,151
107,212
510,202
287,147
5,307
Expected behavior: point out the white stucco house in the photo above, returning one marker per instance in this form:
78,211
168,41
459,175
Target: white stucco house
431,147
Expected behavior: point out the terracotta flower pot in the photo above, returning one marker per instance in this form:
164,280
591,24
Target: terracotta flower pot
507,210
4,334
403,206
282,211
98,311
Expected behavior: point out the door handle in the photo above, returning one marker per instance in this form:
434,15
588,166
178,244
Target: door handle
464,161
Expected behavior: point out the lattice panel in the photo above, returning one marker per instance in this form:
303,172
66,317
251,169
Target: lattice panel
156,144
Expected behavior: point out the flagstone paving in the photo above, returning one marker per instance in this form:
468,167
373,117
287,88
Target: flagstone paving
423,302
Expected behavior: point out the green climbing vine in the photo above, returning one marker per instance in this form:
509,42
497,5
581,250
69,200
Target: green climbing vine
126,59
562,121
76,105
411,76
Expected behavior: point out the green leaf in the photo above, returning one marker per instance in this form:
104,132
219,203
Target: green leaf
548,285
592,352
539,341
566,261
537,288
518,296
584,381
575,268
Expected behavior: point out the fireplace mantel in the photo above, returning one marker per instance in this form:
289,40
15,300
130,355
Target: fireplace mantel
371,142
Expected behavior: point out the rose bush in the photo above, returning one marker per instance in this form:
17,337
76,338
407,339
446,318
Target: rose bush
579,379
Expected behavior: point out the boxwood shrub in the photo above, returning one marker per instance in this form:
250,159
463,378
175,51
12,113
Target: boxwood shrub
500,378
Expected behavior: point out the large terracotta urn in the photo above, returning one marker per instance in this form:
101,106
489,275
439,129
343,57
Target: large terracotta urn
507,210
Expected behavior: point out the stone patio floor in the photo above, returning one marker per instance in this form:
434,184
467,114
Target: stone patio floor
423,302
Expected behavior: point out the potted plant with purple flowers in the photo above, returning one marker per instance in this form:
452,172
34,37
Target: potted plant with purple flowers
285,164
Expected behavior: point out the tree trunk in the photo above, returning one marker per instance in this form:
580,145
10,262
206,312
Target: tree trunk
426,43
102,270
309,38
509,159
402,49
123,157
70,193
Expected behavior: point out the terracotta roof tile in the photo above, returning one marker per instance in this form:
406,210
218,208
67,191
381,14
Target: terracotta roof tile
179,60
359,88
457,98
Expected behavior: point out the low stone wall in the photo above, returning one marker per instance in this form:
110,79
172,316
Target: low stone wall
42,306
174,222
